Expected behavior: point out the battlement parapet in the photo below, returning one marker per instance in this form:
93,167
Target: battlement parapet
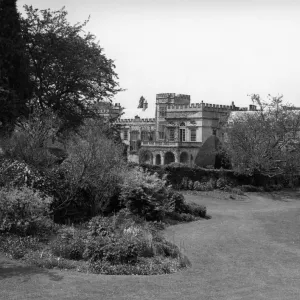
172,96
200,106
136,120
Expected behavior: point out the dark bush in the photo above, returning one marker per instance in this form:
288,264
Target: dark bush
251,188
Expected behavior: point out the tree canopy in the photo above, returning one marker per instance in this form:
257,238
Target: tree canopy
15,87
267,140
68,68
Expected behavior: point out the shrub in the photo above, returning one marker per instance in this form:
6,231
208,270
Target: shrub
146,195
69,243
24,211
250,188
17,247
30,140
181,217
195,209
118,239
93,168
237,191
274,187
222,182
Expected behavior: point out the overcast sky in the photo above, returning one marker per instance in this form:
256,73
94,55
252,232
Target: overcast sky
215,51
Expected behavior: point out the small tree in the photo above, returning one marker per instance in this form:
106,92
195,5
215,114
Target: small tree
265,141
95,165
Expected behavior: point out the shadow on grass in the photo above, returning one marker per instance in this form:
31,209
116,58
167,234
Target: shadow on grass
9,269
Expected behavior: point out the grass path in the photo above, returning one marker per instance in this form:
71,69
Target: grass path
250,249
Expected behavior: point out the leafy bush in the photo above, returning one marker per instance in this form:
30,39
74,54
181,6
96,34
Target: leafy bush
124,244
30,140
69,243
274,187
146,194
250,188
24,211
17,247
181,217
15,173
94,168
118,239
195,209
222,182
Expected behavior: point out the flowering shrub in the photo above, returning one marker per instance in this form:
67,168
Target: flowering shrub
146,194
24,211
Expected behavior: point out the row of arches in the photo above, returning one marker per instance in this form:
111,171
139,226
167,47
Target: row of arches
166,159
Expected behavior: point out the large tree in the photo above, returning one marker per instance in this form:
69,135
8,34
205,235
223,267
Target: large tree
265,141
14,79
68,67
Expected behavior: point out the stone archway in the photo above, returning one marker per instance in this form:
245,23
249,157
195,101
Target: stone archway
158,159
169,158
184,158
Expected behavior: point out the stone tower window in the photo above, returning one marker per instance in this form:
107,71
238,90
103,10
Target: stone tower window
193,135
172,134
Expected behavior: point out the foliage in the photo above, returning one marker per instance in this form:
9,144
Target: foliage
146,194
32,139
125,244
67,65
93,169
265,141
251,188
24,211
144,266
188,184
14,78
16,246
69,243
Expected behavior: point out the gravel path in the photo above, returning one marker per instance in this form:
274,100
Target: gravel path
250,249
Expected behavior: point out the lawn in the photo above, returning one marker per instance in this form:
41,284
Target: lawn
250,249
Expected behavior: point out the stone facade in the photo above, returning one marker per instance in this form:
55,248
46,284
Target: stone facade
177,131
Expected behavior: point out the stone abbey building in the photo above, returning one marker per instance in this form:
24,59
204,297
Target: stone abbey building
177,131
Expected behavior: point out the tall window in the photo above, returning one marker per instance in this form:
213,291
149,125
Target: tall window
145,136
151,136
172,134
161,135
125,134
182,135
193,135
134,136
162,111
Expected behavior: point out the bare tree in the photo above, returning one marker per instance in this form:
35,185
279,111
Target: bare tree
265,141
